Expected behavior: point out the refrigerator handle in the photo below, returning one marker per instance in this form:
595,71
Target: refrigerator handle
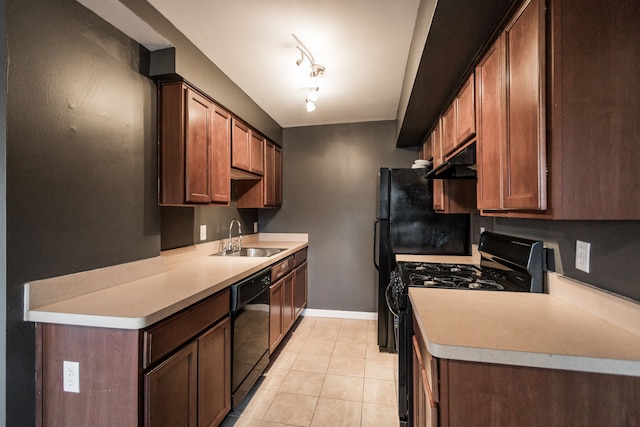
375,238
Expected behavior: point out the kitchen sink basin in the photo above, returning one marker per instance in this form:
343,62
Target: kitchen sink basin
252,252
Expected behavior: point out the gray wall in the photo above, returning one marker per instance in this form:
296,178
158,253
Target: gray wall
81,162
615,246
180,226
3,212
193,65
330,183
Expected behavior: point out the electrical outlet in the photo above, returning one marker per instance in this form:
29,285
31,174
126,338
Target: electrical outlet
583,251
255,227
481,230
71,376
203,232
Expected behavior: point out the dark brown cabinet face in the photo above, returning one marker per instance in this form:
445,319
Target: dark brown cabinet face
288,297
198,147
300,293
240,146
511,151
221,147
192,387
265,192
491,124
194,147
214,374
247,149
524,166
171,391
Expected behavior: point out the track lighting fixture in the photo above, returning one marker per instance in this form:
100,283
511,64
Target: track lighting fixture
315,70
310,105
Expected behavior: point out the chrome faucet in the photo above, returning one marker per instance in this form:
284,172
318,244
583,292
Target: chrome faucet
238,245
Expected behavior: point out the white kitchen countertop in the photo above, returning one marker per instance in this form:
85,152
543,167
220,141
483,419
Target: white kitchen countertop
138,294
573,327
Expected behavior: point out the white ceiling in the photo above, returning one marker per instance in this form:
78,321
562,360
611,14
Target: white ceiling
363,44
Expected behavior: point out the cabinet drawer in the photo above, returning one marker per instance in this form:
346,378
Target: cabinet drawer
280,269
166,336
300,257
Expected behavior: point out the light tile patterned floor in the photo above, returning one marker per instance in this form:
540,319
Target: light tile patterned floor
328,373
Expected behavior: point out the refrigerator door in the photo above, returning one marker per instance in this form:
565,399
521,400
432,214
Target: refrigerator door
415,228
407,224
384,188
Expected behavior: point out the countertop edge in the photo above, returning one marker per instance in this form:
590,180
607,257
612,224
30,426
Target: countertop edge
47,313
535,360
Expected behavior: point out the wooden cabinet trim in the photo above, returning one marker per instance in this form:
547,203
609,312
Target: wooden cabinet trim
164,337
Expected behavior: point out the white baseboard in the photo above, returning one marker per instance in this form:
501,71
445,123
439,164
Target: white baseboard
363,315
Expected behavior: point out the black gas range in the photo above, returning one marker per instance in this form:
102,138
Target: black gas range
507,264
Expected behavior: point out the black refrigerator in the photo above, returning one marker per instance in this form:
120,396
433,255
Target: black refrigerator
407,224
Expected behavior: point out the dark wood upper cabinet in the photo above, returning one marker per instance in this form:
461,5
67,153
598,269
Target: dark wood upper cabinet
448,125
221,158
458,120
265,192
557,105
247,151
194,147
466,123
511,148
491,126
524,166
240,146
256,153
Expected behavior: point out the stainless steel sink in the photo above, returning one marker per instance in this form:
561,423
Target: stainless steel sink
252,252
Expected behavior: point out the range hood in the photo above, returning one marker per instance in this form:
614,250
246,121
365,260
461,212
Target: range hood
460,166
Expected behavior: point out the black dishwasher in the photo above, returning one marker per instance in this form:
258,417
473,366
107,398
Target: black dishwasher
250,333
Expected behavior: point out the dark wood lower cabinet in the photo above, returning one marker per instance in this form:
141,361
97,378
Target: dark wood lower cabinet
288,297
171,390
505,395
174,373
192,387
300,291
214,374
485,394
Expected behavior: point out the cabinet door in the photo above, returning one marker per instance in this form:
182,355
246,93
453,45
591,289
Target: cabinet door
221,157
524,168
269,174
171,391
300,289
277,175
449,134
240,146
491,126
466,123
256,153
438,195
275,315
198,147
288,307
214,374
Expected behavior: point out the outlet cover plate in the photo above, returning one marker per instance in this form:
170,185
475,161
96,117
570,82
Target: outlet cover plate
203,232
583,252
71,376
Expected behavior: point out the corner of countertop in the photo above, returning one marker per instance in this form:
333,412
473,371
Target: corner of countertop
621,312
